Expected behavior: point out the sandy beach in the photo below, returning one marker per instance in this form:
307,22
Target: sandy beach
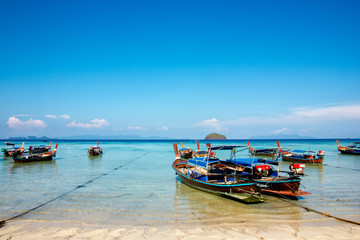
326,228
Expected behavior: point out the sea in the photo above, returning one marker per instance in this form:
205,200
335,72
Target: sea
133,183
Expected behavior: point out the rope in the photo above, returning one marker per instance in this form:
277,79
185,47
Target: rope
3,222
284,198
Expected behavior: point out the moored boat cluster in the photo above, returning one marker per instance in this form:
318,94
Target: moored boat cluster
32,154
246,179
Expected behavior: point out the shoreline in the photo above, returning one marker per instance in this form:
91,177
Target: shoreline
326,228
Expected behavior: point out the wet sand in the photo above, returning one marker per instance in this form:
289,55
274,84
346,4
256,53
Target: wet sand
326,228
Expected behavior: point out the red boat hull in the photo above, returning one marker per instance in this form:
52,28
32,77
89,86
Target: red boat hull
303,160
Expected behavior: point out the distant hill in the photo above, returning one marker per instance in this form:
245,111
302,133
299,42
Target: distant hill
215,136
126,137
86,137
29,138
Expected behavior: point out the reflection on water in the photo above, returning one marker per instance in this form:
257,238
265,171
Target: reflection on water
32,167
133,183
204,207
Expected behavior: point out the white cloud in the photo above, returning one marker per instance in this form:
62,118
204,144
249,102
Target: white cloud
301,116
333,113
135,128
163,129
65,116
16,123
212,123
50,116
279,131
95,123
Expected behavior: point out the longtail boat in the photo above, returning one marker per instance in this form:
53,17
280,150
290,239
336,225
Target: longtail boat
215,176
265,151
8,152
301,156
31,157
200,153
351,149
40,149
95,150
268,179
185,152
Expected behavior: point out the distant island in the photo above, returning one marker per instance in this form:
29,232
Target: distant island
215,136
29,138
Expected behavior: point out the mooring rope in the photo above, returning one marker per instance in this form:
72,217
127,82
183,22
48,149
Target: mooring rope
286,199
3,222
353,169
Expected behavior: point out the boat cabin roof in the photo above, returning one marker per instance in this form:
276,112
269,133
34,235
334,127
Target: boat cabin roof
227,147
303,151
202,162
249,162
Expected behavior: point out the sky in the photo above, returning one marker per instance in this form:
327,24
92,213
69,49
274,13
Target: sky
180,69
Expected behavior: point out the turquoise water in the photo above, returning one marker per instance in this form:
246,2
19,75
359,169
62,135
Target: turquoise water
133,184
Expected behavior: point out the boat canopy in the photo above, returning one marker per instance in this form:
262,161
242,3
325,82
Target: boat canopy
198,162
299,151
303,151
249,162
227,147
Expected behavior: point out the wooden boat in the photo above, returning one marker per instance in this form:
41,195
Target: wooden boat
95,150
271,152
8,152
39,149
351,149
185,152
268,180
301,156
215,176
30,157
200,153
10,144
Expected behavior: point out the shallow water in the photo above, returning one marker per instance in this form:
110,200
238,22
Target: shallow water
133,183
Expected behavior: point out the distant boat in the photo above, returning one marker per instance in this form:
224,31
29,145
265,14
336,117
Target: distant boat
30,157
40,149
301,156
265,151
351,149
185,152
10,144
215,176
95,150
8,152
200,153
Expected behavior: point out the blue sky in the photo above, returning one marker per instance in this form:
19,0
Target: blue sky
180,69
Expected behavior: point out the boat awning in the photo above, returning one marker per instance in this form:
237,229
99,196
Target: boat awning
249,162
302,151
202,162
227,147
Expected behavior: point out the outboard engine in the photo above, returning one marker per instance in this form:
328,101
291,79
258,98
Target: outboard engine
297,168
321,154
261,171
